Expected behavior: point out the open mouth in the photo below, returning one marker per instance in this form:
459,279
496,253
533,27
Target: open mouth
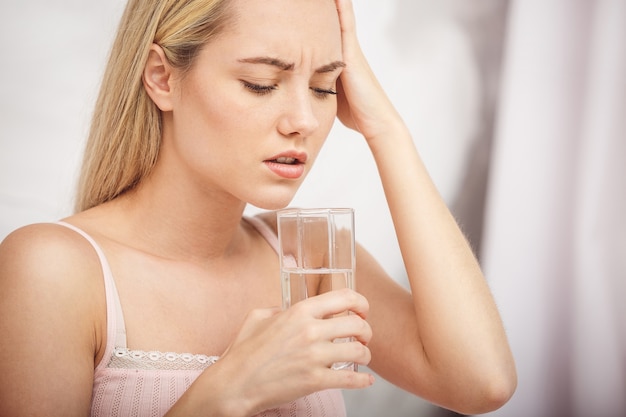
289,165
286,160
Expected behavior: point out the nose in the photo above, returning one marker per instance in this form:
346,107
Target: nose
298,118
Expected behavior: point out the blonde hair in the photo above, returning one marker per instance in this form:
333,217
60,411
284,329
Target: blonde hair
125,134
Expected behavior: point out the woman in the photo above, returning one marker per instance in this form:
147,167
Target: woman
207,106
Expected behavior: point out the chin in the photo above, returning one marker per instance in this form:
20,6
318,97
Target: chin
274,197
272,202
270,205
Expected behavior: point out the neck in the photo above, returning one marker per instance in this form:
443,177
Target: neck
175,223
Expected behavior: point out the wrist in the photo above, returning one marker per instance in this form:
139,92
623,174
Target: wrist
213,394
394,134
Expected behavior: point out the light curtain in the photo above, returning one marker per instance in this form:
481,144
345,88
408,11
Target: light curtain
554,248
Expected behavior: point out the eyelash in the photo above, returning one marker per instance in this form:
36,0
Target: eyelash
262,90
322,93
258,89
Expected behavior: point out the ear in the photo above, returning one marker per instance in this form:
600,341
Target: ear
157,78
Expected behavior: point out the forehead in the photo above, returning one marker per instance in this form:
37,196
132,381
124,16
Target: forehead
286,27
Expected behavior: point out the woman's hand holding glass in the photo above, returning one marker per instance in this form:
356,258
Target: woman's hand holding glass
291,352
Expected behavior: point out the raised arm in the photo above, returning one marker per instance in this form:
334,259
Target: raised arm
445,341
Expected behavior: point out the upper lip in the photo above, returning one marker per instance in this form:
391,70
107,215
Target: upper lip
289,157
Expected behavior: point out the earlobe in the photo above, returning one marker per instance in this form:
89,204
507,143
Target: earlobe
157,77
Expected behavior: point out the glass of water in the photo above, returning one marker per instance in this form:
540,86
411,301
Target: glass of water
317,255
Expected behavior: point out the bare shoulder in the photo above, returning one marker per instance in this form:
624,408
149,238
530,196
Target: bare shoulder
50,266
52,311
45,250
53,265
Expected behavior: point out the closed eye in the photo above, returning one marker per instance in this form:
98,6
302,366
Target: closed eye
323,93
259,89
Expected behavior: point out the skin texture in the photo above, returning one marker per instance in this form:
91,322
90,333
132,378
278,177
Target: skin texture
180,251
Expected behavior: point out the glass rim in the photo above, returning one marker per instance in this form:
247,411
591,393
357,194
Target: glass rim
296,211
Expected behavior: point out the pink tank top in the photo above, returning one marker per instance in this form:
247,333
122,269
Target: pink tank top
139,383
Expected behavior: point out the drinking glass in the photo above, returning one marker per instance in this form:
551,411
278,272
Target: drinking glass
317,255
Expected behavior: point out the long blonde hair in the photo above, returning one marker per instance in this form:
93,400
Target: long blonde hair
125,134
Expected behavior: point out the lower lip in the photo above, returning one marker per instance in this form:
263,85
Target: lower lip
291,172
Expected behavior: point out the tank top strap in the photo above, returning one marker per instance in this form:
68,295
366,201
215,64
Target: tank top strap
265,230
115,316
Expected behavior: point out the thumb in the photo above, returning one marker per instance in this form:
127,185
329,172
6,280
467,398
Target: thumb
252,321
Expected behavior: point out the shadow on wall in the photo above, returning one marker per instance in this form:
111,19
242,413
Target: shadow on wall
480,27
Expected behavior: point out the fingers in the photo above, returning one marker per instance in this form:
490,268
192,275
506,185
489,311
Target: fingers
338,314
362,105
261,314
355,380
294,350
347,22
347,327
334,302
349,352
346,16
252,323
345,379
339,331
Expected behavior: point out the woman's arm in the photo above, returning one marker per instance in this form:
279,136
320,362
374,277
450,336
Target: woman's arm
444,342
50,301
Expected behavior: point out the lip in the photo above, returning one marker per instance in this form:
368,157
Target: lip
301,157
288,171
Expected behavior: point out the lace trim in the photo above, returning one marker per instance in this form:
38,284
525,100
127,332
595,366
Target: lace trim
138,359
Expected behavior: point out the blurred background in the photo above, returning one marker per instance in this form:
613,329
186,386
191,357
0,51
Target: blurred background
519,111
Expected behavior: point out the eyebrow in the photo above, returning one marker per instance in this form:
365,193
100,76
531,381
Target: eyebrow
287,66
330,67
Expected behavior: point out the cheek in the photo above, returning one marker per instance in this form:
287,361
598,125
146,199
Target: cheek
208,107
330,115
200,136
208,120
327,119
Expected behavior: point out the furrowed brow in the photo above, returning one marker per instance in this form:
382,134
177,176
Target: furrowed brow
285,66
